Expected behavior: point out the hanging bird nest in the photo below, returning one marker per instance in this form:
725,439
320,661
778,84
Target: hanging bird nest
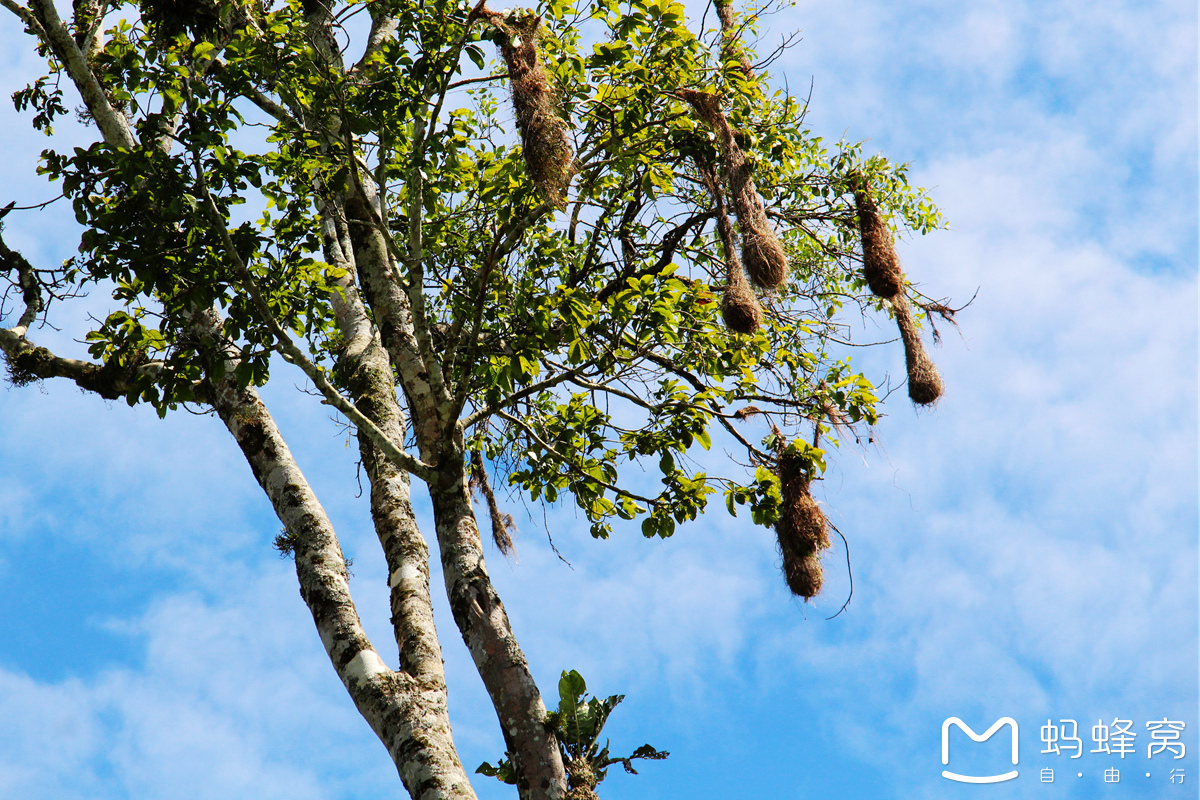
924,383
881,265
801,529
762,253
173,17
544,143
739,307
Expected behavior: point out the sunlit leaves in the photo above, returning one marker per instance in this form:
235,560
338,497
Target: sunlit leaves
586,341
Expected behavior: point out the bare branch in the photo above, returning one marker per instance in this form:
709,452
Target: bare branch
26,16
383,28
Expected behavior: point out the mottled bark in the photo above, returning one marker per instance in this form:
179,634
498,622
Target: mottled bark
486,630
406,709
407,713
113,124
366,372
477,609
385,293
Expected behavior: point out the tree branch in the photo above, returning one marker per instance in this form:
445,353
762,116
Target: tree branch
113,123
26,16
293,354
532,434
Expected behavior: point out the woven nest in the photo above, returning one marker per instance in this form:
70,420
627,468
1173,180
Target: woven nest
544,143
924,383
740,308
762,254
881,265
801,530
173,17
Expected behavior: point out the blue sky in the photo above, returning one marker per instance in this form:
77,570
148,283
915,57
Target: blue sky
1028,550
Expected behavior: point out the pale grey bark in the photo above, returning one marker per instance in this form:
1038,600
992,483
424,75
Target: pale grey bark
407,712
113,124
474,601
393,290
498,657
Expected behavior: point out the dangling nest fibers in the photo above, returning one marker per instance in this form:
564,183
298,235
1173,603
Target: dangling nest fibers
924,383
881,265
173,17
762,254
544,142
800,529
502,523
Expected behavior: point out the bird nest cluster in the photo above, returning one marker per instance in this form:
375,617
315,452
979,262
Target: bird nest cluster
762,253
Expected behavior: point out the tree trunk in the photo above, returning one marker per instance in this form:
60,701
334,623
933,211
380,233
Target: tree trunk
407,713
486,630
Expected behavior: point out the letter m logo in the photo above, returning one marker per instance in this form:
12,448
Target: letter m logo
1000,723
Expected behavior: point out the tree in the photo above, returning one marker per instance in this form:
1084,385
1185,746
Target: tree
660,256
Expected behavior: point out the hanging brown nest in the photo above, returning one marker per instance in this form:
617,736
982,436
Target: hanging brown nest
924,383
172,17
544,143
502,524
740,308
801,529
762,253
881,265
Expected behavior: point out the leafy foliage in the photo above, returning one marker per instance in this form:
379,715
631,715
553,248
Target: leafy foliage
577,723
583,346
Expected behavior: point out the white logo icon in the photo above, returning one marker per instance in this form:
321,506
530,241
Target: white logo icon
1000,723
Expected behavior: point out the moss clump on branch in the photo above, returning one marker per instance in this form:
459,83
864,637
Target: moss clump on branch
29,365
801,529
544,143
582,779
